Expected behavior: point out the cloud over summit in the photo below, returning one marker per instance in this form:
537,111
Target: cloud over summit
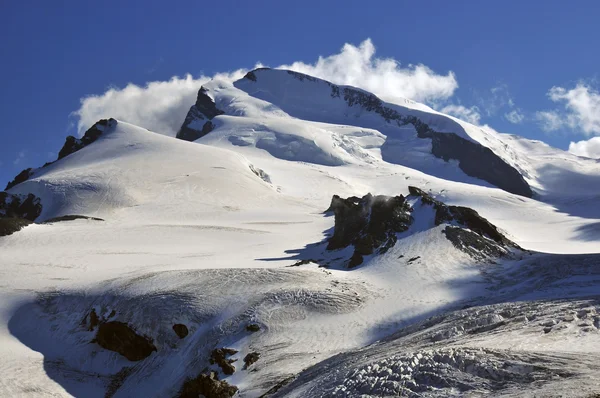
161,106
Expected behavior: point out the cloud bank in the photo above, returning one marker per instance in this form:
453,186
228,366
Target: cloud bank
158,106
580,112
589,148
161,106
471,115
385,77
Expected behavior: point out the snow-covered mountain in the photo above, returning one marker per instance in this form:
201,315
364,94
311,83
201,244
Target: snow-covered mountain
301,239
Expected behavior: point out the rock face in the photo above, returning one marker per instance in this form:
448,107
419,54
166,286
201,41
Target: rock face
22,176
369,223
204,109
17,211
464,216
470,155
482,237
71,145
119,337
208,386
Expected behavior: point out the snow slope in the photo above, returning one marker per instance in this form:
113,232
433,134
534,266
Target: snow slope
203,233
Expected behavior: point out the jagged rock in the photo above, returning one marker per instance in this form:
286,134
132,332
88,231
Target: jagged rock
208,386
250,359
181,330
368,223
71,218
219,356
473,244
70,146
203,109
250,76
119,337
8,226
17,211
464,216
252,327
73,144
21,177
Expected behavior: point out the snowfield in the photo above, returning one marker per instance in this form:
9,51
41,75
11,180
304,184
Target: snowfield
228,235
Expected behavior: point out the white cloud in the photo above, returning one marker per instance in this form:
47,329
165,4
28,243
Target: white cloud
549,120
20,156
589,148
161,106
581,110
515,116
497,98
385,77
470,115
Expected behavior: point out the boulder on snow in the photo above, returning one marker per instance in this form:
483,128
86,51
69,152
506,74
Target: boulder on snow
208,386
180,330
250,359
369,223
253,327
119,337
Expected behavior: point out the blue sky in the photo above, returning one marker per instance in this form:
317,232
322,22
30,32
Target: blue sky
528,68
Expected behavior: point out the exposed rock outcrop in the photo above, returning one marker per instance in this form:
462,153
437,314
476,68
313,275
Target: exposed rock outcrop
468,231
71,145
71,217
463,216
208,386
220,357
21,177
470,155
8,226
250,359
369,223
17,211
203,110
253,327
119,337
